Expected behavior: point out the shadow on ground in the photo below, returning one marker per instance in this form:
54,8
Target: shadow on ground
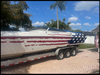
93,50
95,72
24,67
79,51
98,60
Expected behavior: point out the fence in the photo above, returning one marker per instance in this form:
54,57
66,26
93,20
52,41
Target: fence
90,40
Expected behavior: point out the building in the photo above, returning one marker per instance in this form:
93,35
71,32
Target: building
90,37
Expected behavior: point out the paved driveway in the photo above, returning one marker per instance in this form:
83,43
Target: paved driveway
86,61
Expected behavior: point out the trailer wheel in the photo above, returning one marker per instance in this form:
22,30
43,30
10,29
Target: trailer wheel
73,52
67,54
60,55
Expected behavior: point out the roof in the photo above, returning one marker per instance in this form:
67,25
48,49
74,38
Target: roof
88,33
96,29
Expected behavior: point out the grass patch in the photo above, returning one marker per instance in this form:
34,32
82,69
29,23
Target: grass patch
84,46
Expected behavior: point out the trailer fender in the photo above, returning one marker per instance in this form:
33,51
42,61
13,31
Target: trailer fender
57,51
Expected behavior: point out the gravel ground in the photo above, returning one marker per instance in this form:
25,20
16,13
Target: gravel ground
85,62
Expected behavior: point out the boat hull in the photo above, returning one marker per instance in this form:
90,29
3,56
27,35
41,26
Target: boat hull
14,46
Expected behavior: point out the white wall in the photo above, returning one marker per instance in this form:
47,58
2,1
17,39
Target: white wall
90,40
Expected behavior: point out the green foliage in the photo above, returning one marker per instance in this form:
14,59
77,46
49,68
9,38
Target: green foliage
84,46
62,24
60,4
77,30
68,26
12,14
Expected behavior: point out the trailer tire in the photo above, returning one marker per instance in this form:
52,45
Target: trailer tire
60,55
73,51
67,54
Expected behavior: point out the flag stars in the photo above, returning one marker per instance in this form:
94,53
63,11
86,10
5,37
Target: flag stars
77,38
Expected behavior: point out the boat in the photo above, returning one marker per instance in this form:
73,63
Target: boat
17,43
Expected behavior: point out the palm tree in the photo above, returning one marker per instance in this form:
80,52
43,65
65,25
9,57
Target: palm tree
52,21
64,19
68,26
61,6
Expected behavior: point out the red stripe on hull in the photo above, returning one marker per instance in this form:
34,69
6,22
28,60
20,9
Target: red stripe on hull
27,45
32,44
3,41
3,66
11,64
16,41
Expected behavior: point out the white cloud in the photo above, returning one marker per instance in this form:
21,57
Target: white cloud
73,18
87,17
21,29
96,24
85,5
73,24
78,24
87,24
38,23
96,10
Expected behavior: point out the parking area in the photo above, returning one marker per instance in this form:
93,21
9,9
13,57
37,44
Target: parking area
86,61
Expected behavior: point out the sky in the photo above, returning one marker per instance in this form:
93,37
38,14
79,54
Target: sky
83,15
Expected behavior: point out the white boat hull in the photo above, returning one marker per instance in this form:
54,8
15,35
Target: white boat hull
18,43
12,46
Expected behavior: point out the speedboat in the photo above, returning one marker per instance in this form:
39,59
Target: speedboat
17,43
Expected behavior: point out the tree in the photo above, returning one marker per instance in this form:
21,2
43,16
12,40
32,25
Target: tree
64,19
6,16
62,24
61,6
77,30
12,14
52,21
68,26
47,24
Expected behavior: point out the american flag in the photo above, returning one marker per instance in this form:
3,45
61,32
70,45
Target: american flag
77,38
